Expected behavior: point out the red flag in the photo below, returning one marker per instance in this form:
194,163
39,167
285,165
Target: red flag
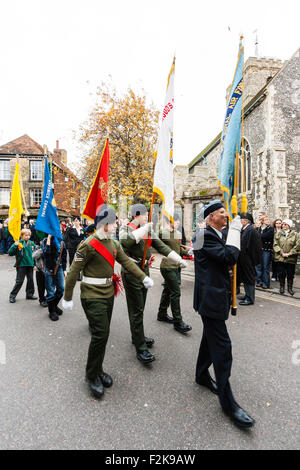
99,192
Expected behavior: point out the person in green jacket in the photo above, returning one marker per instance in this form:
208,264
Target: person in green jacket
132,239
95,257
23,250
169,270
286,248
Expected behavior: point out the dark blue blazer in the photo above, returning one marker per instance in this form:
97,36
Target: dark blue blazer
212,281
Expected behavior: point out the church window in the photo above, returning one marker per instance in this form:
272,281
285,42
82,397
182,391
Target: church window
246,164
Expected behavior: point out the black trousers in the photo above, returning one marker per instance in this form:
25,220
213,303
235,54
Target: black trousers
286,270
215,348
40,281
23,271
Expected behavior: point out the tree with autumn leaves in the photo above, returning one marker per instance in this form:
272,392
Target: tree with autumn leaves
131,126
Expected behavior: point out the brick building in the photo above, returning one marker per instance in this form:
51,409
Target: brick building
67,187
271,146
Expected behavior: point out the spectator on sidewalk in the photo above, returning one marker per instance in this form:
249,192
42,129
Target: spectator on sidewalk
74,236
266,232
23,250
286,249
249,257
4,236
277,225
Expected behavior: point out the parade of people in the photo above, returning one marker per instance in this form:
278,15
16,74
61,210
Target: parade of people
162,283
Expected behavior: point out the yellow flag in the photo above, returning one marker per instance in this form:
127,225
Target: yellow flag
15,208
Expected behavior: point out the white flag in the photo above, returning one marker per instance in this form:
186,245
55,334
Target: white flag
163,173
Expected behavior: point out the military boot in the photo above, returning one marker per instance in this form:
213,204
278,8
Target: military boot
282,283
290,287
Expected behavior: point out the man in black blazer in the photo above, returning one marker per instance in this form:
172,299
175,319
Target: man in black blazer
213,259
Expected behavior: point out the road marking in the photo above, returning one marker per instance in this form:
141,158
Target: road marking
282,301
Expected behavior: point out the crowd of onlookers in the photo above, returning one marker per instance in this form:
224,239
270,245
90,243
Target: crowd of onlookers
265,247
280,247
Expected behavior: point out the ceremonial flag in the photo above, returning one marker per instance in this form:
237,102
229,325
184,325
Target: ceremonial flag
98,194
15,208
47,220
231,135
163,173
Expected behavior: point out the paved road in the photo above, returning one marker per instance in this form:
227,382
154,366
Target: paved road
45,403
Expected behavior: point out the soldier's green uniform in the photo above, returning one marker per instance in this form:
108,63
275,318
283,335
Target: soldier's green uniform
97,299
136,293
169,271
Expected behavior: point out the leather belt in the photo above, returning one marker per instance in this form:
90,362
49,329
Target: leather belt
97,281
138,261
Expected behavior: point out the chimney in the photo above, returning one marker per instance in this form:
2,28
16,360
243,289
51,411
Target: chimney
60,155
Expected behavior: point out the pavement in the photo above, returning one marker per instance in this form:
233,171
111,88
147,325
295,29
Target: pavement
273,290
45,403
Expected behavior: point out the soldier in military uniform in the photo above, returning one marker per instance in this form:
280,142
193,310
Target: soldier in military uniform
169,270
95,257
132,239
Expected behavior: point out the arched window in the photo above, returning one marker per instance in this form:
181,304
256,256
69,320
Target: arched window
247,167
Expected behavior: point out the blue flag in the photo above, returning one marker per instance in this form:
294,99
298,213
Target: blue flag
47,220
231,135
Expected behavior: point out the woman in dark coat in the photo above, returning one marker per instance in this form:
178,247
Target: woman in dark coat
74,236
250,256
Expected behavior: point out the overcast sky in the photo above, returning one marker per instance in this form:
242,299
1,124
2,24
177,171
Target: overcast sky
54,54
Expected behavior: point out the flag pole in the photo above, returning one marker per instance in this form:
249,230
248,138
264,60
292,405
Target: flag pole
234,209
234,212
146,241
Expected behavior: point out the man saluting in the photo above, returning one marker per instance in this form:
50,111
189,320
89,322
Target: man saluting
212,300
95,257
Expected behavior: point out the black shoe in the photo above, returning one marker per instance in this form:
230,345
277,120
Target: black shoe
246,302
265,287
182,327
209,383
43,303
149,342
106,379
145,357
241,297
166,318
96,387
53,316
259,285
240,417
12,299
281,289
31,297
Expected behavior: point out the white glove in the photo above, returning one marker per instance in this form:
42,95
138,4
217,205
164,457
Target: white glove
141,232
173,256
234,233
191,252
67,304
148,283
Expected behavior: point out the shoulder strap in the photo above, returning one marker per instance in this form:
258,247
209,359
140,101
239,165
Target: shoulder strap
97,245
59,258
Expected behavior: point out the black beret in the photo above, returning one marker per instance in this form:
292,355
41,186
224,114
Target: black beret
212,206
105,216
247,215
138,209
